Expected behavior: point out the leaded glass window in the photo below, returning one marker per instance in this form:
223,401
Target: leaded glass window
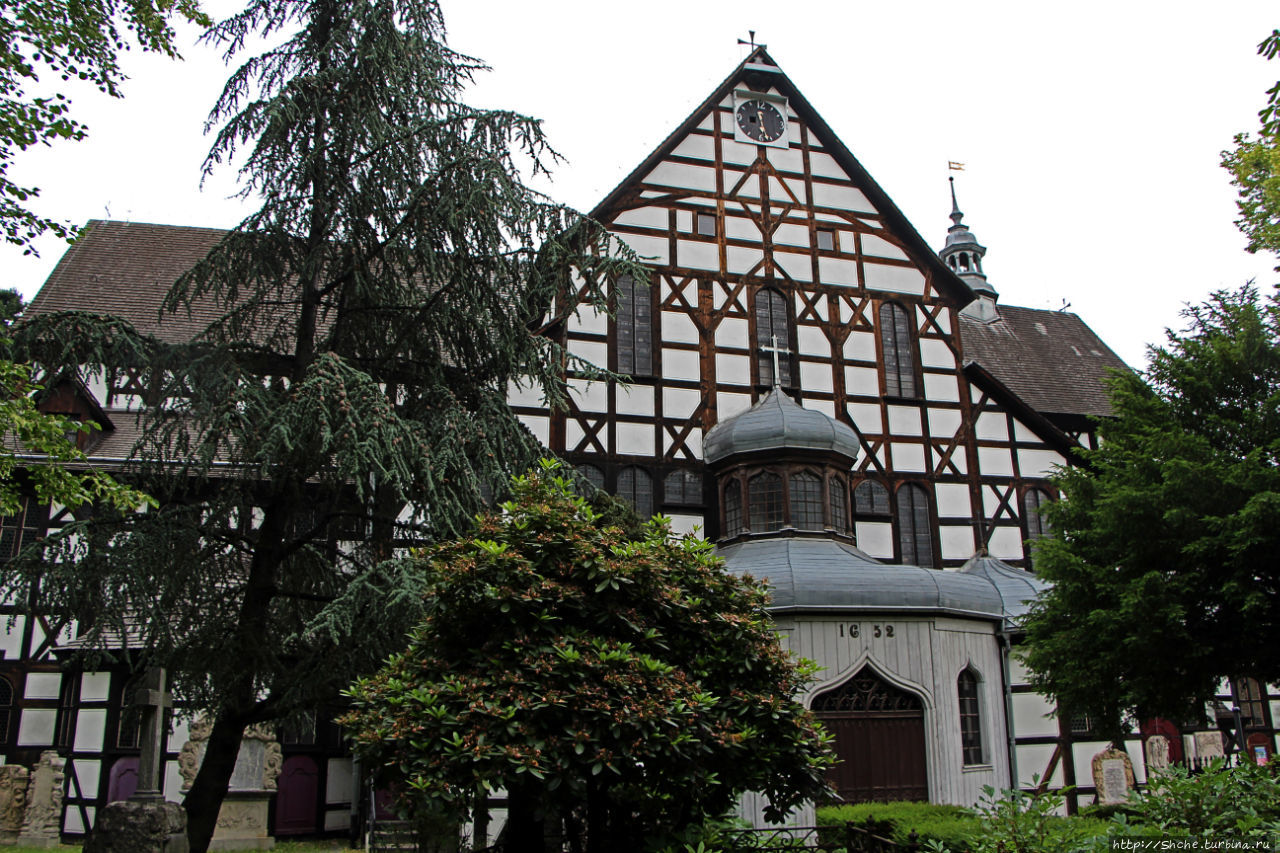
764,497
806,501
732,508
635,327
635,486
970,718
21,528
771,334
915,529
592,475
870,500
839,505
1032,503
899,352
683,487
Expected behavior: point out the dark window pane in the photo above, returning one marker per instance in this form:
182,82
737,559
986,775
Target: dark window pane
826,240
732,508
683,487
592,475
870,500
771,333
1032,502
22,528
899,355
707,224
764,498
635,327
915,535
839,505
636,487
806,502
970,720
1250,698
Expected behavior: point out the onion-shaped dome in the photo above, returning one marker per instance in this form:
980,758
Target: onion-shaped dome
1017,588
778,423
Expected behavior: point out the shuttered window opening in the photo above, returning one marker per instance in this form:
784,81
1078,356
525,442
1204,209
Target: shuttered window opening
870,500
970,718
765,500
683,487
899,353
806,502
771,326
635,327
839,505
732,508
635,486
915,533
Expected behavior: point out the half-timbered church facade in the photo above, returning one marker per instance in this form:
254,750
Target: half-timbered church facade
842,405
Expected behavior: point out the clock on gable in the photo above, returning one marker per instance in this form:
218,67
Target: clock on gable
760,119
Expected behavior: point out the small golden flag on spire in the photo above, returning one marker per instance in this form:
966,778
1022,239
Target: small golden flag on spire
954,166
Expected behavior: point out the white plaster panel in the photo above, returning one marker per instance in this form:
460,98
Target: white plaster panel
337,785
709,121
1038,463
96,382
589,396
37,638
94,686
653,250
953,500
905,420
172,782
995,461
941,386
944,422
733,369
825,166
634,439
778,191
539,425
694,442
740,260
696,145
338,819
643,217
72,822
678,328
936,353
893,279
728,404
1033,761
908,457
820,308
634,399
1018,672
732,332
860,346
1021,433
750,187
573,433
991,426
683,524
91,725
944,320
737,152
842,197
697,255
799,267
741,228
36,727
827,407
876,538
816,376
791,235
881,248
88,771
956,541
1006,543
683,176
812,340
684,221
1032,716
589,320
787,159
592,352
862,381
43,685
866,417
838,271
11,637
178,732
680,402
681,364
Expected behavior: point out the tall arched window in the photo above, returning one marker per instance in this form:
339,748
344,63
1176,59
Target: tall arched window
915,530
636,487
839,505
682,487
732,508
806,501
1033,500
899,351
970,717
771,333
635,327
592,475
764,497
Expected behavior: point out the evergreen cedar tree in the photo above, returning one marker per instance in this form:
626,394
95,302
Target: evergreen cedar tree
628,689
1163,558
1255,168
368,320
65,38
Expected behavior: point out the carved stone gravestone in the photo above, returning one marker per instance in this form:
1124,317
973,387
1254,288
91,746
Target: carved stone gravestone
41,825
13,801
1112,775
1209,745
242,821
1157,753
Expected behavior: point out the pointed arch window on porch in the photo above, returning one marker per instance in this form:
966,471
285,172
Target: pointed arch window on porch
806,501
634,323
732,508
838,491
764,497
970,717
915,526
899,351
771,334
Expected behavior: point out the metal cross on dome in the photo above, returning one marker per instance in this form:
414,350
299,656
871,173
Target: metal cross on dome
776,351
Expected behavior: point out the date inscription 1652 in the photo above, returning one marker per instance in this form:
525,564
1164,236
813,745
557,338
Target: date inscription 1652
854,630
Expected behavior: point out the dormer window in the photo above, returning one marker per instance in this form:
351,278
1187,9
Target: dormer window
801,497
806,501
764,497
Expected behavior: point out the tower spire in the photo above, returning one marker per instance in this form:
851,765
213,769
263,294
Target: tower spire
963,254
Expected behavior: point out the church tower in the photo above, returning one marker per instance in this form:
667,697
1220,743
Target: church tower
963,254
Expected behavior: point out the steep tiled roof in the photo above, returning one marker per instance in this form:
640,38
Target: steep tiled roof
126,269
1050,359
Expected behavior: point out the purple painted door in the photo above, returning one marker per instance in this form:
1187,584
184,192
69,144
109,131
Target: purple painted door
297,797
122,781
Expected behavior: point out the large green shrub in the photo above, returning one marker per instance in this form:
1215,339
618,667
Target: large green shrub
950,826
1219,801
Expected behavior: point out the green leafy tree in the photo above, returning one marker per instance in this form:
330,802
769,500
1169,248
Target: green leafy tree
1163,554
620,690
349,398
69,39
1255,168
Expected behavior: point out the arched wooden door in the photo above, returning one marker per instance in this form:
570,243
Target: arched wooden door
879,739
297,797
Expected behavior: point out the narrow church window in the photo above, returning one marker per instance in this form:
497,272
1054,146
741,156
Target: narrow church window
1032,503
68,699
635,327
683,487
732,508
839,505
870,500
765,501
915,533
1249,697
707,224
592,475
635,486
6,707
806,501
771,334
826,240
21,528
899,354
970,719
129,723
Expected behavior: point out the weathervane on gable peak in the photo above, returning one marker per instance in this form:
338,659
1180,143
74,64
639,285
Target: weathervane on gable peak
752,43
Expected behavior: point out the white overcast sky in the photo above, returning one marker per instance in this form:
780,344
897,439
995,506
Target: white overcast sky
1090,131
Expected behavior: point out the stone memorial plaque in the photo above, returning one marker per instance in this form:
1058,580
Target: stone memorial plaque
1157,753
1209,745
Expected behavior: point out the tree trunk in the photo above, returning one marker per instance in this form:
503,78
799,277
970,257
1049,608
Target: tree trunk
204,800
525,831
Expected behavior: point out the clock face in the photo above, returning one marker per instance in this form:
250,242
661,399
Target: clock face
761,121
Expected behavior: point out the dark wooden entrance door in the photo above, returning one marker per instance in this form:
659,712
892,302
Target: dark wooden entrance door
879,739
297,797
